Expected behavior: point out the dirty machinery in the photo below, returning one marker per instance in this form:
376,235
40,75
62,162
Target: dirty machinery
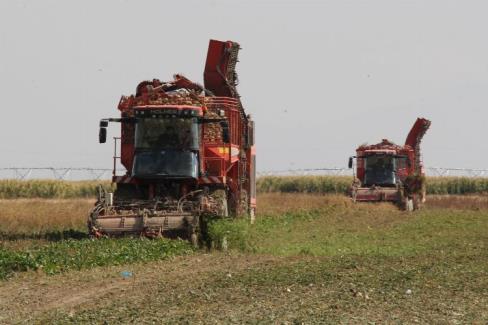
189,156
389,172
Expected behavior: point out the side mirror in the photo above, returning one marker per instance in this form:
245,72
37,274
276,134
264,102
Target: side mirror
225,131
102,135
350,162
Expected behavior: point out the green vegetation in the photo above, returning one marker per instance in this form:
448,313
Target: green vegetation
333,231
65,255
12,261
304,184
457,185
341,184
235,232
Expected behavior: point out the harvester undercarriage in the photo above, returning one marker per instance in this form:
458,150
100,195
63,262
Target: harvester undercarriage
398,195
158,217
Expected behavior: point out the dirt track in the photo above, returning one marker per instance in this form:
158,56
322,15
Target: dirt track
29,296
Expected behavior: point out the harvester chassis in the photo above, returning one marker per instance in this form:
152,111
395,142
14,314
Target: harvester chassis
157,217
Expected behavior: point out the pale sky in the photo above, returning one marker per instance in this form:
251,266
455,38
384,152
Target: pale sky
318,77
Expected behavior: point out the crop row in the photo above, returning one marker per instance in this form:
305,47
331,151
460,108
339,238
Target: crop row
12,189
341,184
65,255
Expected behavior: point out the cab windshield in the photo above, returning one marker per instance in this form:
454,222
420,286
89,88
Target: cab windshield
167,133
380,170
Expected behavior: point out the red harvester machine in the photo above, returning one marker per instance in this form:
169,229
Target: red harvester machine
189,154
389,172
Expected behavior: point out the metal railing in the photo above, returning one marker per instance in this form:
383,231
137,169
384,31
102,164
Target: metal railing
87,173
334,171
307,171
23,173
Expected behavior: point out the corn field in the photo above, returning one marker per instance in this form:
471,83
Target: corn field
340,184
15,189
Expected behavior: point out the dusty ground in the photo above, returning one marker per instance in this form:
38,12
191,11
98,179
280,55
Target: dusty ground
219,288
33,297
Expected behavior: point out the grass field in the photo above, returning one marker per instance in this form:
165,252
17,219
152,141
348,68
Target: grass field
308,259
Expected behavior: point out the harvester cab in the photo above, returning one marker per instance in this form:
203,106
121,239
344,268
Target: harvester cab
384,168
389,172
188,152
380,169
167,141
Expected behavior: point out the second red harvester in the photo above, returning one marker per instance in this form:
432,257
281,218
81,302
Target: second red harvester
389,172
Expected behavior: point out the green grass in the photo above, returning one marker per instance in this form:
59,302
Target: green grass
304,184
235,232
65,255
358,230
415,237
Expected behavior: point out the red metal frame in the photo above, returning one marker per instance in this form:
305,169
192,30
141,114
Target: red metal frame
225,165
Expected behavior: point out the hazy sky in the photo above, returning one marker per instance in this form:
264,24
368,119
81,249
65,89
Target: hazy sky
319,77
